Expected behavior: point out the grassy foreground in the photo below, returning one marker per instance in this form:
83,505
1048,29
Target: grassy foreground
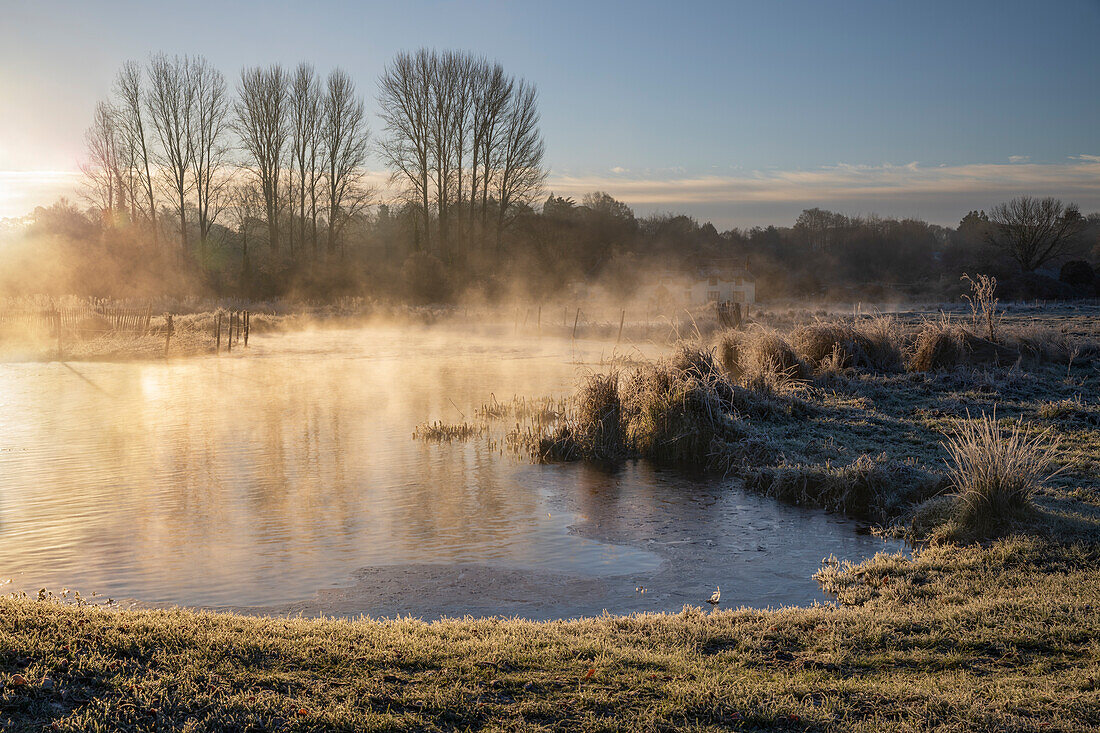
998,637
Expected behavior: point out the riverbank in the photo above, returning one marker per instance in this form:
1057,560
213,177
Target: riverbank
994,637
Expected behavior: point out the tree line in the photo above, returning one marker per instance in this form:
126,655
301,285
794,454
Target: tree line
282,159
262,190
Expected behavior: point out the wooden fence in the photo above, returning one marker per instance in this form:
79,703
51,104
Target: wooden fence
87,319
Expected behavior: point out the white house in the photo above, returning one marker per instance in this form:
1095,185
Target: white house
722,285
716,283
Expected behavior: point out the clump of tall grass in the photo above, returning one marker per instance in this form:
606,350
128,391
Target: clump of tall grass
681,411
870,343
883,339
996,474
817,342
536,409
758,357
939,345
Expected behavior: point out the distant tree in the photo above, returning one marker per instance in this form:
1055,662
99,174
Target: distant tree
405,98
261,121
521,170
974,222
1034,231
820,227
603,203
207,148
305,115
103,181
130,112
170,104
343,137
491,91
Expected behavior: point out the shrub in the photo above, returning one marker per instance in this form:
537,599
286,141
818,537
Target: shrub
1077,273
425,278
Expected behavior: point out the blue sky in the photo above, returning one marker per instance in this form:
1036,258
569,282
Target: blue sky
742,113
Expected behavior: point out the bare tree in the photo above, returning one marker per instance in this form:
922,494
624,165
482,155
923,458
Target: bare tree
103,179
405,102
444,83
462,68
1034,231
305,117
521,173
170,108
491,92
130,112
344,137
262,124
206,144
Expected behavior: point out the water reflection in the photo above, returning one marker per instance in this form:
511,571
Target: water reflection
251,481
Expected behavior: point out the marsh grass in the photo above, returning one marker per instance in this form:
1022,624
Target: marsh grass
996,473
876,489
681,411
448,432
758,356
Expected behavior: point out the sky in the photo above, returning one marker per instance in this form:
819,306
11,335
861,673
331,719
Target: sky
739,113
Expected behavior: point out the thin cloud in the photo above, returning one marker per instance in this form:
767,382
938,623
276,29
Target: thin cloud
1078,178
762,196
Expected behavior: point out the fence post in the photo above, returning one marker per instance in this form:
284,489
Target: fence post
167,332
622,320
218,333
247,322
57,325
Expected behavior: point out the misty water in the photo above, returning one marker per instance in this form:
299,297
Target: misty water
285,478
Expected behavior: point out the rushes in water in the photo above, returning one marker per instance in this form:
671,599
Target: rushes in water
996,475
440,431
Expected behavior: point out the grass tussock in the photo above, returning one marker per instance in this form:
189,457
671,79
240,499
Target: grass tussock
595,430
838,343
939,345
996,473
758,357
